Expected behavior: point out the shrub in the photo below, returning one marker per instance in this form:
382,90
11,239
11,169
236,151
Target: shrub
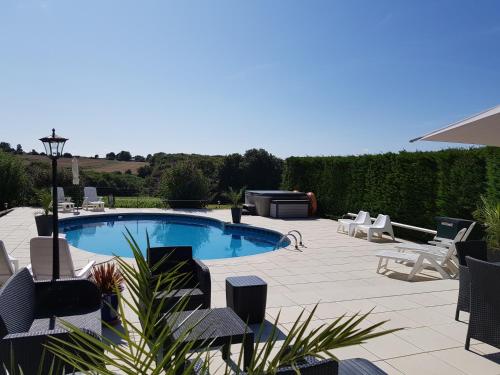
14,183
184,182
113,183
488,213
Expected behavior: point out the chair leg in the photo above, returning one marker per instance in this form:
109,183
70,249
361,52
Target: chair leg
416,268
379,264
467,342
438,268
457,314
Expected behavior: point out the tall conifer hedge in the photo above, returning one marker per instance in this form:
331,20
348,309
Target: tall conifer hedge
411,187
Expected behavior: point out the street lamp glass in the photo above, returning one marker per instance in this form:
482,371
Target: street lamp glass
53,144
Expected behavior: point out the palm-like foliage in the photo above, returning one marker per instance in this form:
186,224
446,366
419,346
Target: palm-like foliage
302,341
489,213
148,348
145,346
234,196
45,198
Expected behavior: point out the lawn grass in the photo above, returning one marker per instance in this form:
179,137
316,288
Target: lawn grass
153,202
139,202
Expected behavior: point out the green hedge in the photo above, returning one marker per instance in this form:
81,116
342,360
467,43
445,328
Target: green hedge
14,182
411,187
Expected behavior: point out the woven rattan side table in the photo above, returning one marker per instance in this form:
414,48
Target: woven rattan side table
247,296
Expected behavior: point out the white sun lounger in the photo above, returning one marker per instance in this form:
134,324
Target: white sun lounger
8,264
445,242
440,251
439,262
41,260
91,201
348,225
64,203
381,225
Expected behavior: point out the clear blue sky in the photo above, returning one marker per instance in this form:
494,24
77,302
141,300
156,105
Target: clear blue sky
215,77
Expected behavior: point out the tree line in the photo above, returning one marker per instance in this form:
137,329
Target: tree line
170,176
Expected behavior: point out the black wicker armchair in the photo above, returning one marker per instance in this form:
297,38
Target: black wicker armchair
30,313
196,285
474,249
484,320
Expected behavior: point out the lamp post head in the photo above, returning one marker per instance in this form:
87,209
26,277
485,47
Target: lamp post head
53,144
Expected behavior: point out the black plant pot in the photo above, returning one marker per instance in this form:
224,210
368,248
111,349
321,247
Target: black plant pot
44,225
109,309
236,214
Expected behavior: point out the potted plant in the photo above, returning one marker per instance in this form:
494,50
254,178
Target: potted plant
109,280
488,213
234,197
44,220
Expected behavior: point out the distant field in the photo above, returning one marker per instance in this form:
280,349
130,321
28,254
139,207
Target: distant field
98,165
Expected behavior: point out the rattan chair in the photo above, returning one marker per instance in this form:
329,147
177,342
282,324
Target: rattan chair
195,276
474,249
32,311
484,320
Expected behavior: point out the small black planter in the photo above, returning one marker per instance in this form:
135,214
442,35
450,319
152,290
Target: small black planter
109,309
44,225
236,214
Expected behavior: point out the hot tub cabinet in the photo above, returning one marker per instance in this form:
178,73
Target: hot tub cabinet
289,208
277,203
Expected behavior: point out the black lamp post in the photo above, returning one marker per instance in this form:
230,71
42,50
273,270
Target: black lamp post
54,148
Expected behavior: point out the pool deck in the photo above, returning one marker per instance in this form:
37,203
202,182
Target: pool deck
337,271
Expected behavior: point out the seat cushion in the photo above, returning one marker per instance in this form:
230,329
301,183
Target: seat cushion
178,293
90,321
195,298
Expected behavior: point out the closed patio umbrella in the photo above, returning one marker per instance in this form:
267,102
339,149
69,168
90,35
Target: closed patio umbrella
74,169
480,129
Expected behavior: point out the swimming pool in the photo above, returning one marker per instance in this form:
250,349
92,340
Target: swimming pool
210,238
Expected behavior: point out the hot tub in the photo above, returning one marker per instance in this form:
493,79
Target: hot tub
259,202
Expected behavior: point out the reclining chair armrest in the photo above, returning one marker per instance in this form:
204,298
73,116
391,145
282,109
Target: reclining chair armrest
66,294
85,271
205,284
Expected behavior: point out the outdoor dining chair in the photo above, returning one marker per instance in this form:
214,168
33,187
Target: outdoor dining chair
484,319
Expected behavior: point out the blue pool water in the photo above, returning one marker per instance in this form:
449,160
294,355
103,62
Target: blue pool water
210,238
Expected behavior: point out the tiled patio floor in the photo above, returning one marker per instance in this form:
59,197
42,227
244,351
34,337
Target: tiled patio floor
338,272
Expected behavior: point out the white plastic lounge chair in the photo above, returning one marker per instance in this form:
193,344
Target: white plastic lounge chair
382,224
438,261
441,248
64,203
41,260
8,265
439,251
348,225
91,201
445,242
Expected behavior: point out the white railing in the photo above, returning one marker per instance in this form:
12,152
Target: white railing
405,226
